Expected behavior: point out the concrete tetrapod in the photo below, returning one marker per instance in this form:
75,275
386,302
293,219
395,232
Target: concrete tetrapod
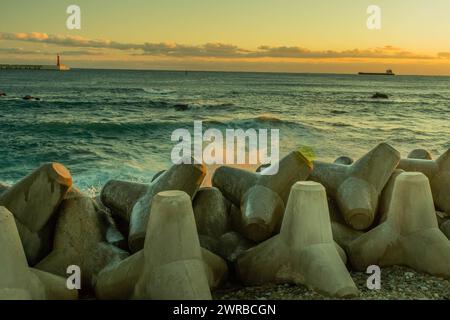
17,280
356,188
183,177
304,252
118,281
121,196
111,229
344,160
260,197
438,172
209,243
80,240
170,266
33,202
442,217
232,244
420,154
3,188
408,234
445,228
211,210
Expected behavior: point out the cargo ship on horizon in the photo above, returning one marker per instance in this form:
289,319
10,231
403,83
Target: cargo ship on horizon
387,73
58,67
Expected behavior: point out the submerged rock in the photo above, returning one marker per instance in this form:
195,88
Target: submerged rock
181,107
28,97
379,95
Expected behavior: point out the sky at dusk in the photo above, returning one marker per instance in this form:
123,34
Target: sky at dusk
235,35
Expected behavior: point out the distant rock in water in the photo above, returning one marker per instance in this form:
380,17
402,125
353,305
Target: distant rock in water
268,118
181,107
2,94
28,97
380,96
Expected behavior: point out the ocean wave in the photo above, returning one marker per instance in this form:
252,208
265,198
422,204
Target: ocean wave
61,128
125,90
423,95
212,106
268,118
135,130
158,91
262,120
338,111
100,90
340,124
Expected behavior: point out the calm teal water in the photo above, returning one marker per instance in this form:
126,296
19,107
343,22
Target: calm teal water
105,124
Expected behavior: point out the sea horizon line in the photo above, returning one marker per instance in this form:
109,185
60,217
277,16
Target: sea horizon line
238,71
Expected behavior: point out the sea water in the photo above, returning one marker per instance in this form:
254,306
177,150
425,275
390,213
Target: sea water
117,124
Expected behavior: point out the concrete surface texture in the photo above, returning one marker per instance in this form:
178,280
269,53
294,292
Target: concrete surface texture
409,234
182,177
261,198
178,271
80,240
17,280
304,252
438,172
211,211
33,202
356,188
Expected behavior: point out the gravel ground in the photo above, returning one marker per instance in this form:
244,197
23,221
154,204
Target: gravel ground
397,283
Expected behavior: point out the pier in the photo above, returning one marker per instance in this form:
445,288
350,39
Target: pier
58,67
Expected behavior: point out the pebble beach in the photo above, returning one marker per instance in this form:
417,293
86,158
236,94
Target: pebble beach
398,283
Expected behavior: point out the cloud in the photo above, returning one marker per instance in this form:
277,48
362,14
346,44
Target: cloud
445,55
213,50
298,52
68,41
40,52
80,53
19,51
389,48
